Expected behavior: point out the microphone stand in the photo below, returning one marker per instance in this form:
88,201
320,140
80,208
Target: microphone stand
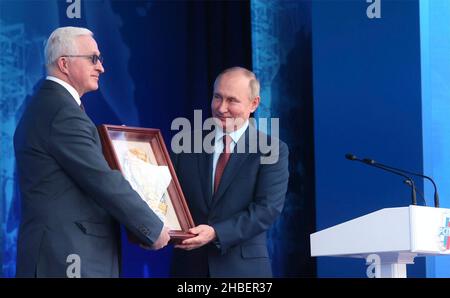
408,180
372,163
436,195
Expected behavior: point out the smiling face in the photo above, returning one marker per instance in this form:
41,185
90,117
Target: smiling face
232,102
81,73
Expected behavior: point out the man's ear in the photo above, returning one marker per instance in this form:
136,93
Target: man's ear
255,103
62,65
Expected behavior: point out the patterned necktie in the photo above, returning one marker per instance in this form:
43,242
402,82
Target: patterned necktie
222,162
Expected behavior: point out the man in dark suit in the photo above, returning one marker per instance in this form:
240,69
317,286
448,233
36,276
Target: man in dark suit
71,200
234,195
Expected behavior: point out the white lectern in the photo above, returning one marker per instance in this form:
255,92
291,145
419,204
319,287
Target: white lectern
396,235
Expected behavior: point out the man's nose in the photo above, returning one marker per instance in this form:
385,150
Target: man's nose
223,106
99,67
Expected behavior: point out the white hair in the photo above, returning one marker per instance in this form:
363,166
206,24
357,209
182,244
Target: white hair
62,42
253,82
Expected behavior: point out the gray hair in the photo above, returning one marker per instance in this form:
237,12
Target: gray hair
253,84
62,42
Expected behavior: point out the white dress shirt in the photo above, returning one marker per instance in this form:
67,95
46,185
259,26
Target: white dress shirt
218,145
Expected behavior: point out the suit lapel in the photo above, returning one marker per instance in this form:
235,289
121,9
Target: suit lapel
205,161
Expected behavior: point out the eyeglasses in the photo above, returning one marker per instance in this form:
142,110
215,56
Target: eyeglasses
94,58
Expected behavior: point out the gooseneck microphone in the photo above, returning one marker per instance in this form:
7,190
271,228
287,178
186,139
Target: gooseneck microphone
408,180
436,195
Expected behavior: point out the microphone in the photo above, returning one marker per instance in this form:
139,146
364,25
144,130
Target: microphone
408,180
436,195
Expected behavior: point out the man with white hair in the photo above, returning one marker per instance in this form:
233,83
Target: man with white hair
71,200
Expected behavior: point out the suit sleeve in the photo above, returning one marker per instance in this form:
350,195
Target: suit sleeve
74,146
268,203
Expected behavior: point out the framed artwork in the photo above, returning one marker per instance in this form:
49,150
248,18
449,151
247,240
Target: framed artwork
142,157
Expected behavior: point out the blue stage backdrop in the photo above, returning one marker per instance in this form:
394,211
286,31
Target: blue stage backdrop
373,98
281,39
435,62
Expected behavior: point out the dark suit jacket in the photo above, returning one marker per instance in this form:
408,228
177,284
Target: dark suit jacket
71,200
249,198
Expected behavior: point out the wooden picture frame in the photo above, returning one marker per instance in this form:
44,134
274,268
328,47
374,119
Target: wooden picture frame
147,144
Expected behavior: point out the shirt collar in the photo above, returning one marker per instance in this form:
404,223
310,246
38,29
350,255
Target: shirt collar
68,87
235,135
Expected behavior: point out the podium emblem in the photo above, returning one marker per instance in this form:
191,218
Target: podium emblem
444,233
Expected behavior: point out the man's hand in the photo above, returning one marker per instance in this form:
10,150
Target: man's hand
205,234
162,240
